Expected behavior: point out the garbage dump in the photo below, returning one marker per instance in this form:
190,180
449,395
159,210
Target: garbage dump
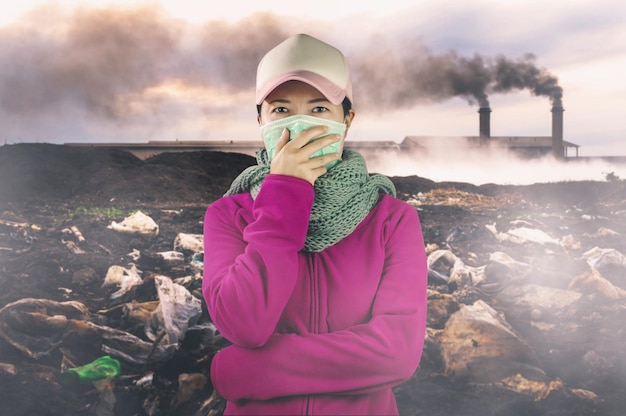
128,343
525,301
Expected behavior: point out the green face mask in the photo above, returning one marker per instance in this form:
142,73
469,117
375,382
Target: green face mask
297,124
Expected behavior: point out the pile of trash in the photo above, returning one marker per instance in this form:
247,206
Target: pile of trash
538,314
101,311
151,321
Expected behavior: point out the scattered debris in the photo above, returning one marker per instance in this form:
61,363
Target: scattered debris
477,343
122,277
100,368
188,385
137,223
522,235
599,258
38,326
189,242
177,310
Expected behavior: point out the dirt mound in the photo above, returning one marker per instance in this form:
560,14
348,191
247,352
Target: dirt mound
99,175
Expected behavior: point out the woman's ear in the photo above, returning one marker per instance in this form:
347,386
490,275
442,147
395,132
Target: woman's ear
349,117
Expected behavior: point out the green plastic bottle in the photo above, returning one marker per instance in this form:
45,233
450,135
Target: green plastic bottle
103,367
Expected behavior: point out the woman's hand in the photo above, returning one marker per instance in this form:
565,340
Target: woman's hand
293,158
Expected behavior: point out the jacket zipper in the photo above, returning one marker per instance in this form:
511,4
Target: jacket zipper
314,308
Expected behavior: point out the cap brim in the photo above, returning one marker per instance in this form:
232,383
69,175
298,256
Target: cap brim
331,91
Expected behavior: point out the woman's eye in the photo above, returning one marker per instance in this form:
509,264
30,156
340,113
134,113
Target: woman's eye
280,110
319,109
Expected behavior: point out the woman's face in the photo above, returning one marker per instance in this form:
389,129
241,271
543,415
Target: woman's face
299,98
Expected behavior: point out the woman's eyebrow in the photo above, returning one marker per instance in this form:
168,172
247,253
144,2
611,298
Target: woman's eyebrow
280,100
318,100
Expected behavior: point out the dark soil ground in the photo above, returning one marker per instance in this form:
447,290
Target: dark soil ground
45,189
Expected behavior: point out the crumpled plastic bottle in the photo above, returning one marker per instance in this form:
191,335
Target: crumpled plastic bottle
101,368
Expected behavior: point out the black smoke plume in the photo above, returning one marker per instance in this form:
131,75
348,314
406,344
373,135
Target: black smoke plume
104,60
101,61
400,76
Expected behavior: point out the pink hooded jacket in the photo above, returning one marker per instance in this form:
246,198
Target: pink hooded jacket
313,333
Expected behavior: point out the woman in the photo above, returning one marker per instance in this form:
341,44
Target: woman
313,269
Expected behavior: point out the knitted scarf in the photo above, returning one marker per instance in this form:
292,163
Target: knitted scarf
343,196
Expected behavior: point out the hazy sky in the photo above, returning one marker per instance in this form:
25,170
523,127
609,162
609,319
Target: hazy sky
167,70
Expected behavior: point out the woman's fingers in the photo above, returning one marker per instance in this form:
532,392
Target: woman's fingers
293,157
306,136
284,139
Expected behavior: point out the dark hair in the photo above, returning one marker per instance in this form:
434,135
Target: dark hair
346,104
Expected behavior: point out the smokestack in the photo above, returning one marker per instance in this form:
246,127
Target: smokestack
484,125
557,132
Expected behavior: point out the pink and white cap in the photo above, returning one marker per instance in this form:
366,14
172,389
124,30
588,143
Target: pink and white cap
305,58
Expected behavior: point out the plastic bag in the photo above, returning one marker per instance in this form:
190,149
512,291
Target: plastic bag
101,368
124,278
177,310
137,223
